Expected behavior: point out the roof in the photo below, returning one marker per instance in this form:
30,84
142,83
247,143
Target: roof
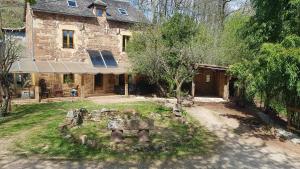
214,67
61,7
134,15
99,2
64,67
21,29
83,10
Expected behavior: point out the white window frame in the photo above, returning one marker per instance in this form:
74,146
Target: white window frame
74,2
120,10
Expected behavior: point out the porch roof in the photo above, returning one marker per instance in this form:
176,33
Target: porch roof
63,67
213,67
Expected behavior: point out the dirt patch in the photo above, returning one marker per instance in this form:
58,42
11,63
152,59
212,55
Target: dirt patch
250,125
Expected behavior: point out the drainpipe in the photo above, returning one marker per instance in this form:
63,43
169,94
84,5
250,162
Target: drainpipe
32,32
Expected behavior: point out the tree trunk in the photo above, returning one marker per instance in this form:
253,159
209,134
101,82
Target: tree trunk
4,107
162,91
178,94
6,101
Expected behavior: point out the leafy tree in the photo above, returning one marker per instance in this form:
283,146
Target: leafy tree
272,36
9,52
232,48
169,53
272,22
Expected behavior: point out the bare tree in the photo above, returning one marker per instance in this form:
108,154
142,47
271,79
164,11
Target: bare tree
10,51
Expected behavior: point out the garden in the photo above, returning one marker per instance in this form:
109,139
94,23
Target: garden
36,130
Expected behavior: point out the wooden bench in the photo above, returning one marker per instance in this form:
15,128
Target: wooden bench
142,126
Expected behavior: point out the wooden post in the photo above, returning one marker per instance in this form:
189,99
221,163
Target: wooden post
126,85
193,88
37,93
15,82
226,88
82,94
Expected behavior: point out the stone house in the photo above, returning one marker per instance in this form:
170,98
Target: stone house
78,44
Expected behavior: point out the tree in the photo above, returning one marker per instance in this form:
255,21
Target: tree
170,53
9,52
272,22
231,47
273,39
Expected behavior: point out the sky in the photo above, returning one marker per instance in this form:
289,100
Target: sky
236,4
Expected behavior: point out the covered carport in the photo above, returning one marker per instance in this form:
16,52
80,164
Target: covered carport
211,81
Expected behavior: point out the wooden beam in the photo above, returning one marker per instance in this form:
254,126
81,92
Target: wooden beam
193,88
37,93
126,85
81,86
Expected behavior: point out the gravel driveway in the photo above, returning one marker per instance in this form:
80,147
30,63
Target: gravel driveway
240,151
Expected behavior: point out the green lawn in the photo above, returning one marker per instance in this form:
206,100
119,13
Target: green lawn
37,127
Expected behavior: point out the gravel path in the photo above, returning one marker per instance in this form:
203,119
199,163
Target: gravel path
240,151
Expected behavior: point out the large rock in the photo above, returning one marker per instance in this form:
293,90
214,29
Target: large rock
115,124
177,111
74,118
95,115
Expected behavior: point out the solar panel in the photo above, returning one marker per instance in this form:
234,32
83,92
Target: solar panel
96,58
109,58
72,3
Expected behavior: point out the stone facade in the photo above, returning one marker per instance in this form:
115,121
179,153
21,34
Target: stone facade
44,37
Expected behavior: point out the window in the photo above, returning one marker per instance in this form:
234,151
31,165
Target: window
122,11
68,39
99,12
125,42
207,80
68,78
72,3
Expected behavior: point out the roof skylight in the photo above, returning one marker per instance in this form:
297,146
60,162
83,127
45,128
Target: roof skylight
122,11
72,3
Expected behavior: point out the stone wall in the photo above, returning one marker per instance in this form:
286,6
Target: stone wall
89,33
44,39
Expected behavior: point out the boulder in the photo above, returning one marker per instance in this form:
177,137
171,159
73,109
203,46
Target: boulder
95,115
117,136
83,139
104,110
187,103
177,111
71,114
143,136
115,124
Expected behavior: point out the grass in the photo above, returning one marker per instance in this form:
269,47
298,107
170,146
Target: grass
12,12
37,124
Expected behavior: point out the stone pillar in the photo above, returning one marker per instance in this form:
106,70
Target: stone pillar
37,93
193,88
126,85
